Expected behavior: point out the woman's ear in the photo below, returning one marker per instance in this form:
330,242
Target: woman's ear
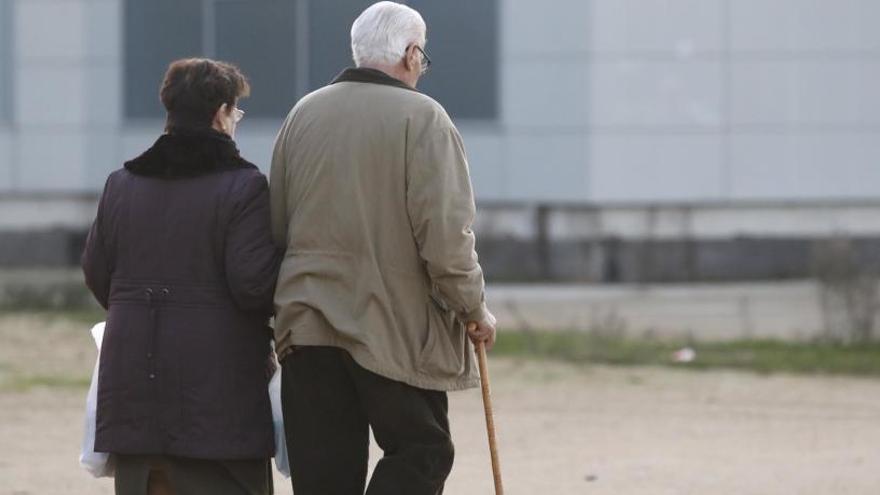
219,122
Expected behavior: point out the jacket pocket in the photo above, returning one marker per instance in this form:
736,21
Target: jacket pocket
443,352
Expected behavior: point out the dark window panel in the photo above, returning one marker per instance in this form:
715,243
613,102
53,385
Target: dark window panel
156,33
330,37
259,37
463,45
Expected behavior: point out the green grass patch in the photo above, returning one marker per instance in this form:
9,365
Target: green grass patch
87,316
58,296
763,356
24,383
84,316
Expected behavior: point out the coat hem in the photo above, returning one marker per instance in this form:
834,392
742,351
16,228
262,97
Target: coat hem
366,360
201,454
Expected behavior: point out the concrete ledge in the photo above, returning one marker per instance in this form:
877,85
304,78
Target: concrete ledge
780,310
56,247
788,311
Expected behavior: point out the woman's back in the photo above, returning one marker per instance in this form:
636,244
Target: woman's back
182,257
169,210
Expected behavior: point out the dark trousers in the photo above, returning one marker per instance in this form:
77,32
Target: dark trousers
330,402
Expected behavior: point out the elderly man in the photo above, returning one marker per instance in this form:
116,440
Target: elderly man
372,199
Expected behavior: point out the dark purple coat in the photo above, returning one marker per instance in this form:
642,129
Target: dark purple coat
181,256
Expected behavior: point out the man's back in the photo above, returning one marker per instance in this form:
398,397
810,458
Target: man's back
346,173
370,191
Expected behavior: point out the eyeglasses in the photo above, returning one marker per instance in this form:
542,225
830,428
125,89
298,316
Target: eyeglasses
426,60
237,114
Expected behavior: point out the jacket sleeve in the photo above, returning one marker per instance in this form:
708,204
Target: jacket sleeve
440,203
96,260
252,259
278,190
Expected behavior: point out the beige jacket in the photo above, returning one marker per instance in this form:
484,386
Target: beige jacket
372,198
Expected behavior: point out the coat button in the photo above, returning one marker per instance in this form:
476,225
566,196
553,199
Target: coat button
166,291
152,376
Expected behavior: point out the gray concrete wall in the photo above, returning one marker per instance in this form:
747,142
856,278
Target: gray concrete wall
602,101
683,139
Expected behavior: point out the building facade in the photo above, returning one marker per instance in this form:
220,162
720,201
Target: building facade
594,128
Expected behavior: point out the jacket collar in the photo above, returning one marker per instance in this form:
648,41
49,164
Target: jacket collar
188,152
365,75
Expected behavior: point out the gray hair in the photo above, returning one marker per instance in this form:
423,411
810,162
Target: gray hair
381,34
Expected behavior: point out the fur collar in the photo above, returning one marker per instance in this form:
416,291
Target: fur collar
362,74
183,153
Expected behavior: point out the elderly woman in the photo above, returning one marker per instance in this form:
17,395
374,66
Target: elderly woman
181,256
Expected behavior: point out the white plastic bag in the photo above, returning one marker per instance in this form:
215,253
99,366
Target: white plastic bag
281,462
99,464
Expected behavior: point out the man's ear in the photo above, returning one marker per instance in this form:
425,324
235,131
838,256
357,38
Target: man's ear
409,57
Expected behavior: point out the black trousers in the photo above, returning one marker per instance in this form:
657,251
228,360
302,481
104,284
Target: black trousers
329,404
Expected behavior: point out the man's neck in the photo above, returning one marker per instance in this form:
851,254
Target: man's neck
395,71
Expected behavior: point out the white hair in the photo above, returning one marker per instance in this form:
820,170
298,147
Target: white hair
381,34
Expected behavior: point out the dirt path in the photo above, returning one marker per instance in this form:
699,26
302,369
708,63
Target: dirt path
564,430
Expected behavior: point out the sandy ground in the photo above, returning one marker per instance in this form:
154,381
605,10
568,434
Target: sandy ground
563,429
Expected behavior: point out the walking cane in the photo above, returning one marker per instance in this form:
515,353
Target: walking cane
487,406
